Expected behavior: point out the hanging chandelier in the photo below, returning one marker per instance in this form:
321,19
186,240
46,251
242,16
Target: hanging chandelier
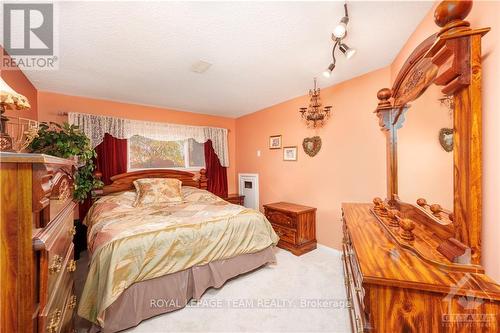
315,115
338,35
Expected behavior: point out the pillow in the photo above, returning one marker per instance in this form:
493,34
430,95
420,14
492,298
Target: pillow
157,190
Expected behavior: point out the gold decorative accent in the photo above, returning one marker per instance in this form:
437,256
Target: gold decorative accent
72,302
30,135
72,231
315,115
71,266
56,265
447,102
55,320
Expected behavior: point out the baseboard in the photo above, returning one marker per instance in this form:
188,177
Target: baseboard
327,248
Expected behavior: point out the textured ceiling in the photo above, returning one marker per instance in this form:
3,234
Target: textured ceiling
262,53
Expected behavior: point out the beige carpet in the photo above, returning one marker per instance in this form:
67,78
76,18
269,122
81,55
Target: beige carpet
299,294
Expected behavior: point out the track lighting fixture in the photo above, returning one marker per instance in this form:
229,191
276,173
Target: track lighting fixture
346,50
329,70
341,28
338,35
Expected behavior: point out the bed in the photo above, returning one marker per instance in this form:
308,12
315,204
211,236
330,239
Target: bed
149,260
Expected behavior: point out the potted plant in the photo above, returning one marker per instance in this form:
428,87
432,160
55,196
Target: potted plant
68,141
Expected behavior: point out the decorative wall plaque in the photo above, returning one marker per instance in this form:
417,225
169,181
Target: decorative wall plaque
446,138
312,145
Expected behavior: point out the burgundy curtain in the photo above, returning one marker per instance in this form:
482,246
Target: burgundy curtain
216,174
111,160
111,157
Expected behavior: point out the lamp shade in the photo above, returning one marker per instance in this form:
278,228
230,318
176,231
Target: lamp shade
9,98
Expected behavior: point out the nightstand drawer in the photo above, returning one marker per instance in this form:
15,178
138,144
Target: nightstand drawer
280,218
295,225
285,234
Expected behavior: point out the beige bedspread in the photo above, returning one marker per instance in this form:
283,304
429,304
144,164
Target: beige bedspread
130,244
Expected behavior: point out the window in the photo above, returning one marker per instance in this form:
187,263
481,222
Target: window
144,153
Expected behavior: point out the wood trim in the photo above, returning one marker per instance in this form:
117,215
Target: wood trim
15,248
467,202
125,181
34,158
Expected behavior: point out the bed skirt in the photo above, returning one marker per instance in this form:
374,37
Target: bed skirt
150,298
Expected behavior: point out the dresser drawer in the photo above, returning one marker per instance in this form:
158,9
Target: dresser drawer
285,234
69,313
53,314
355,294
280,218
57,249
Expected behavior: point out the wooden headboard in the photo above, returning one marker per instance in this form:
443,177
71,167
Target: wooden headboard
125,181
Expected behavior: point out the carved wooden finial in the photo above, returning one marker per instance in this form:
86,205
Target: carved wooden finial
421,202
383,96
393,216
436,210
407,225
451,14
377,201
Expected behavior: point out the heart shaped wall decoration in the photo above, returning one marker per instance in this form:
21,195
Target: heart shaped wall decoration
312,145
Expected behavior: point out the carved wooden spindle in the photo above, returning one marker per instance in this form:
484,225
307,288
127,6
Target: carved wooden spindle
407,225
394,217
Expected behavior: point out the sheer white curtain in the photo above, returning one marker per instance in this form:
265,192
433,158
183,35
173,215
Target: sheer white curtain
95,127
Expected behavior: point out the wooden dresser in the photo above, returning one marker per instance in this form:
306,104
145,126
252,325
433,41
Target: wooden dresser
294,224
235,198
391,287
36,227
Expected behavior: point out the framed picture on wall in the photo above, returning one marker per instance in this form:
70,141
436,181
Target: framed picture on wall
290,153
275,142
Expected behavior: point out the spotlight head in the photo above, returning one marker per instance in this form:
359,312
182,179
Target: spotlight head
347,51
328,72
341,28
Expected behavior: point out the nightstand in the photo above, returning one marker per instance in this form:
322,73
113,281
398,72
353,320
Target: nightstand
294,224
235,198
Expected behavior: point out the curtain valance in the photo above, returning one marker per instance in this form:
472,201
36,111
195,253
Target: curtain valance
95,127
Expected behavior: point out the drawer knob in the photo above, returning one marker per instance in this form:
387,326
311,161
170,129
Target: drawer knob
72,302
279,233
55,320
56,265
71,266
72,231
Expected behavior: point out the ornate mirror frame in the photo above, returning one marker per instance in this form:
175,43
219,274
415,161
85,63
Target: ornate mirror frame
450,58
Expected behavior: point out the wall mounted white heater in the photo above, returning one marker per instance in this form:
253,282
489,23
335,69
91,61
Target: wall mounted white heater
249,187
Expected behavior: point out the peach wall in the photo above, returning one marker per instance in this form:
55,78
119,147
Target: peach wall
349,167
52,104
484,14
16,79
